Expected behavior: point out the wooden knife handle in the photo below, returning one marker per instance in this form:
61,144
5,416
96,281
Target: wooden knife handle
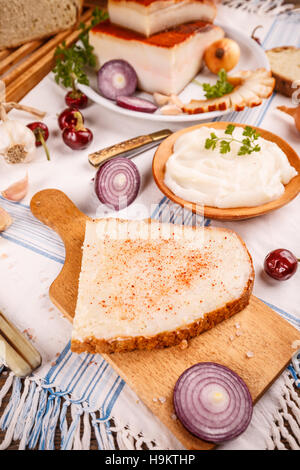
99,157
16,351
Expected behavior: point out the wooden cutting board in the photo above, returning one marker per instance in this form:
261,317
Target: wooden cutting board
152,374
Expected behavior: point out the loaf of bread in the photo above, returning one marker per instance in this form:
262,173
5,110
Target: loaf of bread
151,285
26,20
285,66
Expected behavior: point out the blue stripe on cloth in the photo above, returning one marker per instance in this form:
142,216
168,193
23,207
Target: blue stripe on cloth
32,248
287,316
59,364
29,233
3,199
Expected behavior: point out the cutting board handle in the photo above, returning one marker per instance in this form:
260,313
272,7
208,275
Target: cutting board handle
55,209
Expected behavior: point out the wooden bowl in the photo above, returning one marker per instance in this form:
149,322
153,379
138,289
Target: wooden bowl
165,150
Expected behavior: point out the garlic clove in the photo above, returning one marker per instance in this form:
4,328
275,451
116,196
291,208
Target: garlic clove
170,109
174,99
17,191
5,220
160,99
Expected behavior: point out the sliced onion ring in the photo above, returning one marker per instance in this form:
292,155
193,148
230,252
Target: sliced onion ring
136,104
117,183
212,402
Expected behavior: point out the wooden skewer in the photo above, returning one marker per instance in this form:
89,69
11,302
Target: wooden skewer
16,90
37,55
4,53
18,54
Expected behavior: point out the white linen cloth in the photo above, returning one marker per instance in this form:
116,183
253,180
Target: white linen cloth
31,257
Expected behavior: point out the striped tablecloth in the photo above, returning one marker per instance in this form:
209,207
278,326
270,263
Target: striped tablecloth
31,256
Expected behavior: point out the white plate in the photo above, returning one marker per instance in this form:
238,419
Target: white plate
252,57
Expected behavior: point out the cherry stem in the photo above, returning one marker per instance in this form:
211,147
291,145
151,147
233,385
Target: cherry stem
255,29
41,137
79,125
75,90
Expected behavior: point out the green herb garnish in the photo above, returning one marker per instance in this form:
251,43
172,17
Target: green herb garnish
70,61
221,88
249,144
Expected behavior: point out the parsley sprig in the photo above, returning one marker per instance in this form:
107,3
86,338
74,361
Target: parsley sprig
249,144
221,88
70,61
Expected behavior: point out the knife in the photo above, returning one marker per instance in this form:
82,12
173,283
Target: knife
16,352
129,148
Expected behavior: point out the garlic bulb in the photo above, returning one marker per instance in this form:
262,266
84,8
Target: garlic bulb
17,142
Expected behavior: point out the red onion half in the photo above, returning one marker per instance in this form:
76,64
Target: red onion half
212,402
115,78
117,183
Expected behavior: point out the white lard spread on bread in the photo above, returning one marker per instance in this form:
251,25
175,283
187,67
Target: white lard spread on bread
207,177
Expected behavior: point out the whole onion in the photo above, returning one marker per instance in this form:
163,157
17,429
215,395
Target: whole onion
222,54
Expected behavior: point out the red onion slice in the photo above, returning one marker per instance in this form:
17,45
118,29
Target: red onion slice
115,78
136,104
212,402
117,183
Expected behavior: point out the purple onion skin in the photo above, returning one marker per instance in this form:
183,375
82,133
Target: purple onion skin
205,430
106,76
104,188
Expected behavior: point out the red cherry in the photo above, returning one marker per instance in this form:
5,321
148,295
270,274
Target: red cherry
78,137
280,264
76,99
77,140
69,118
36,128
41,133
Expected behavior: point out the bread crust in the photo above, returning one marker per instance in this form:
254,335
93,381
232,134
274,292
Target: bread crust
35,37
171,338
283,84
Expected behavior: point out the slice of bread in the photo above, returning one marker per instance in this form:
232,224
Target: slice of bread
27,20
285,66
149,285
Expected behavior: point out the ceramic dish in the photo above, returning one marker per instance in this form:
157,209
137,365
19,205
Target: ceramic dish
252,58
165,150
